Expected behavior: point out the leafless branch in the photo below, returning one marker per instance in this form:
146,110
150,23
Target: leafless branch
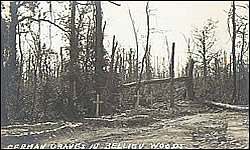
86,4
22,19
195,54
114,3
19,4
245,7
104,26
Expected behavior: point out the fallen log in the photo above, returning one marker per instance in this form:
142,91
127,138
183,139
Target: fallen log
227,106
154,81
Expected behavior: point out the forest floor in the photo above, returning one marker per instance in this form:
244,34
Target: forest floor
190,125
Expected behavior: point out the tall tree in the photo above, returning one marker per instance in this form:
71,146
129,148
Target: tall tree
99,51
73,59
147,46
4,44
136,42
237,23
171,69
13,63
204,39
13,68
234,56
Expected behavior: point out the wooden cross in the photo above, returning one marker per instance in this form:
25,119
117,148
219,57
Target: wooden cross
138,99
97,102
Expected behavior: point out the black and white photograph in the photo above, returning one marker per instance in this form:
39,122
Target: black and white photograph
124,74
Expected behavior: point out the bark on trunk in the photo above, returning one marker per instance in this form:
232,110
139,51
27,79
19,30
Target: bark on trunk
234,56
137,45
4,116
172,77
73,48
99,48
190,84
13,67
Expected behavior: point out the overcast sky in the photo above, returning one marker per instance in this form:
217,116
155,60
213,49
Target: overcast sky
175,17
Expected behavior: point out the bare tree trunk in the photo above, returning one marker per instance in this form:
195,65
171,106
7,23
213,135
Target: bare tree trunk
148,30
62,62
112,73
37,68
87,47
230,66
12,36
204,63
154,68
242,48
242,69
147,48
114,45
234,56
190,84
4,42
73,47
148,76
12,45
239,76
158,67
130,64
118,61
123,64
137,46
134,66
20,79
172,77
34,86
29,70
39,57
216,67
99,48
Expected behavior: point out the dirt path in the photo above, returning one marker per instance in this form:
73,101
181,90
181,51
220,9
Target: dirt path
207,130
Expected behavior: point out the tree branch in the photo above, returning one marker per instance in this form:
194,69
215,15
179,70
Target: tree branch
22,19
195,54
86,4
104,27
114,3
19,4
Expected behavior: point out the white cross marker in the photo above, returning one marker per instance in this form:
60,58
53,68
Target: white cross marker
138,99
97,102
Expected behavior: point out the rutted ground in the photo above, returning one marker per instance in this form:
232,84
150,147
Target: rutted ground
222,129
208,130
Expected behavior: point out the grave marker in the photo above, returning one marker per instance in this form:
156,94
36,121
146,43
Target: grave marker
138,99
97,102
